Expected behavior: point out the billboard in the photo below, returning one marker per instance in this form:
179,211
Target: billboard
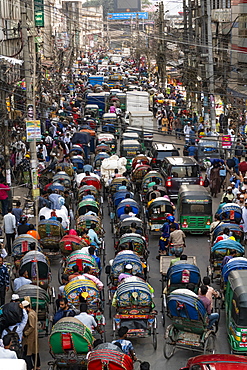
132,15
127,6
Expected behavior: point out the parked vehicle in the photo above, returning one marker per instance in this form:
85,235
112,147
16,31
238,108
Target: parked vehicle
217,362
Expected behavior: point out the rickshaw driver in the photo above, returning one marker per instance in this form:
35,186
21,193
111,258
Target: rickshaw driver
213,317
226,259
126,345
86,319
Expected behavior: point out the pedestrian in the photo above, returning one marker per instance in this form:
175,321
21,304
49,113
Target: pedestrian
23,227
239,150
4,197
30,340
4,281
222,173
215,180
18,327
242,167
187,129
229,195
17,212
126,345
5,351
9,227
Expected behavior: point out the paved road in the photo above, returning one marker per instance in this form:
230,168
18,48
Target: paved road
196,245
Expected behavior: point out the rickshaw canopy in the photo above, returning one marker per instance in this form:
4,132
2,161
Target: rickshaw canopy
176,274
162,203
121,260
237,263
228,244
186,305
128,202
81,138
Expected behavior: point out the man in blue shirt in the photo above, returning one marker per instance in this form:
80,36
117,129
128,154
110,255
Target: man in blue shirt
126,345
22,280
4,281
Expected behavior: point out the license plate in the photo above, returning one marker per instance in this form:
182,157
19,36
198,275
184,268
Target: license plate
185,183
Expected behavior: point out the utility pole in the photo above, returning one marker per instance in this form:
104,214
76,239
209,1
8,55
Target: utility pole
161,54
210,68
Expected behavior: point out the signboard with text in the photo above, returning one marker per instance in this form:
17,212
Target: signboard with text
33,130
131,15
39,13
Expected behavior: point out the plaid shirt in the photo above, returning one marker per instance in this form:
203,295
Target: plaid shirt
4,276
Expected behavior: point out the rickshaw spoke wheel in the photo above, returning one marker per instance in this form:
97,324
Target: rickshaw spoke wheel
169,348
155,338
209,345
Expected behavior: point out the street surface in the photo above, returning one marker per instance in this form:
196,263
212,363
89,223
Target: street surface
195,246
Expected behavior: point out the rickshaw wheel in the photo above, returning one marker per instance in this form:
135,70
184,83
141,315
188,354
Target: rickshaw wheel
155,338
209,345
169,348
60,272
163,312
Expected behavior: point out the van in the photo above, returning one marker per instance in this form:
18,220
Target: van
179,171
160,151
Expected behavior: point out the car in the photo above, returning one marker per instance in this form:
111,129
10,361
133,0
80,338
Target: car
179,171
216,362
160,151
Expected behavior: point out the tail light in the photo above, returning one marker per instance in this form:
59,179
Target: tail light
185,224
154,160
208,222
201,181
169,182
244,337
185,276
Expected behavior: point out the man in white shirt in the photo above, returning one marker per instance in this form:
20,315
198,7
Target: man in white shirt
9,227
6,352
87,319
22,280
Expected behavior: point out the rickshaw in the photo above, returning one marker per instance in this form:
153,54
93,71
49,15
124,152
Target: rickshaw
125,225
218,252
138,174
236,231
121,195
110,140
88,205
151,176
230,212
82,139
99,159
21,245
62,178
117,182
81,260
135,242
188,329
148,195
110,124
85,188
194,209
38,267
102,148
235,307
78,163
140,159
85,221
136,208
134,309
236,263
42,298
129,149
65,167
89,180
110,354
75,151
51,232
92,110
69,342
71,243
88,290
156,213
117,268
107,170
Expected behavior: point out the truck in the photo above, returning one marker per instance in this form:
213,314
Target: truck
142,121
137,101
95,80
99,99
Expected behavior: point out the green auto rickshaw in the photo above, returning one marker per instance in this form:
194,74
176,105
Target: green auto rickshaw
194,209
236,311
129,149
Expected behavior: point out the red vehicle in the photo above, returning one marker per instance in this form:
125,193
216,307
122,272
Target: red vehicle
217,362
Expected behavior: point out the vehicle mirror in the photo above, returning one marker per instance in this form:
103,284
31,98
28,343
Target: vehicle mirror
108,269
